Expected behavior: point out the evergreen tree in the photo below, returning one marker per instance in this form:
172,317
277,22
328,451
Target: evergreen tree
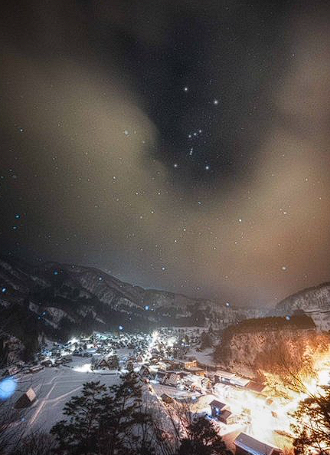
106,422
79,434
206,340
127,417
202,439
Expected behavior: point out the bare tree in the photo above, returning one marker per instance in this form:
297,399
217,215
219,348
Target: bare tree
36,443
12,426
312,427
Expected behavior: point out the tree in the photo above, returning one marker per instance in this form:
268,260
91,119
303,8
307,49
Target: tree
312,427
194,435
79,434
198,317
206,340
36,443
202,439
12,426
106,421
124,427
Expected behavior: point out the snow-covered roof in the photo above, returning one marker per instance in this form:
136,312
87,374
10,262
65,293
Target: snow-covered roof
217,404
253,446
240,381
224,374
226,413
30,394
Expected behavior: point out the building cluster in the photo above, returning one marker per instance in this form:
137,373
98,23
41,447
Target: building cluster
176,369
106,351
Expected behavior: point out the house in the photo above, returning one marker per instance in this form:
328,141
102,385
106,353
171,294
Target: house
190,364
217,408
205,382
110,362
223,376
26,399
144,371
256,387
36,368
197,371
160,376
172,379
247,445
227,417
230,378
174,365
166,398
163,365
12,371
239,381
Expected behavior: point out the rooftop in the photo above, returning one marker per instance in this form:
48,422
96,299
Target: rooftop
253,446
217,404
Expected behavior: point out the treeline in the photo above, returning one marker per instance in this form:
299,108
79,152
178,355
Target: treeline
294,322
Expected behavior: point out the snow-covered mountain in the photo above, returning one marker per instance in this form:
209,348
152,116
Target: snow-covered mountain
317,297
315,302
297,325
60,300
254,345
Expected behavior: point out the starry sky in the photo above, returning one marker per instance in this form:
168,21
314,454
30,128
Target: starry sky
176,144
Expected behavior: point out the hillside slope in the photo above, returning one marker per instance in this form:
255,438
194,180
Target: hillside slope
314,298
60,300
276,345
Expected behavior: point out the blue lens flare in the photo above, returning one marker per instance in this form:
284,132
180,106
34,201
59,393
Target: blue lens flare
7,388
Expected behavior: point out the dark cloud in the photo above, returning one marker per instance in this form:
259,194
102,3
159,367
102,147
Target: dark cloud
97,164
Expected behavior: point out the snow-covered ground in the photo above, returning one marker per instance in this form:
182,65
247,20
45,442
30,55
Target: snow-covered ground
54,387
204,357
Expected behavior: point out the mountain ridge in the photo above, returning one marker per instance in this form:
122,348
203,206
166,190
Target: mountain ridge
60,300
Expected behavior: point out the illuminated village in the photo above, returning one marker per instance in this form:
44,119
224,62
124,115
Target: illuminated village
177,367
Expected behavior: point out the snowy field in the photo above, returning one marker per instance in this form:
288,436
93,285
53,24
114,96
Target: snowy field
54,387
204,357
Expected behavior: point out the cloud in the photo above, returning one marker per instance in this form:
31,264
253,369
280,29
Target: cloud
99,186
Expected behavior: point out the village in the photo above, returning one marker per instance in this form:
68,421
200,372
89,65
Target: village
177,366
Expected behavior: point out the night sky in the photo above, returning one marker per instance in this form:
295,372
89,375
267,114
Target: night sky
177,144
